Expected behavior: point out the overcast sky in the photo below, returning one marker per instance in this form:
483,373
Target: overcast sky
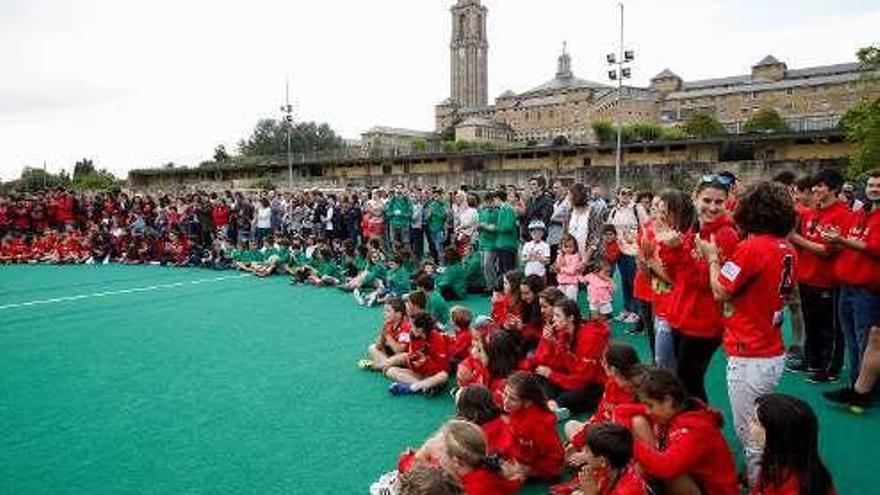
136,84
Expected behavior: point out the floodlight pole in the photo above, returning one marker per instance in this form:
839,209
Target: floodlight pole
619,116
288,119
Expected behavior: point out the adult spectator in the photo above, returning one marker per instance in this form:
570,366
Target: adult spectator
626,219
539,206
398,212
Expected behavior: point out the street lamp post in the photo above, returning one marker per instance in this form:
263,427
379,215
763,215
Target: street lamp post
622,71
287,109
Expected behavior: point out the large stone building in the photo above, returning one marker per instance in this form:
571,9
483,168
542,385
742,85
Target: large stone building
808,99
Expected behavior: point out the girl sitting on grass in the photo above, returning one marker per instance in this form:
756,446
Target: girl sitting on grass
539,453
392,339
424,367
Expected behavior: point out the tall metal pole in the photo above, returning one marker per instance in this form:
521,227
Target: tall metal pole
288,120
618,118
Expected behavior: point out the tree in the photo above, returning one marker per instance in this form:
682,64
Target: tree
83,167
560,140
702,125
766,120
97,180
862,123
643,131
604,131
220,154
419,145
36,179
269,137
675,133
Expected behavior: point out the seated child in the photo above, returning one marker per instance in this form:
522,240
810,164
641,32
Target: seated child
460,341
539,452
392,339
424,367
609,468
435,304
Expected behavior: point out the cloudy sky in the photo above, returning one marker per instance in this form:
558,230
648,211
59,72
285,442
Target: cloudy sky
136,84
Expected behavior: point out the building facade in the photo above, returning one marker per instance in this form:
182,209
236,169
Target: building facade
808,99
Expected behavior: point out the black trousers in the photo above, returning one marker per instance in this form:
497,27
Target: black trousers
817,304
506,261
646,323
694,355
578,401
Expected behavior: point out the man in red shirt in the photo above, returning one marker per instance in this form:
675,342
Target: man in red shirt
824,345
857,268
752,285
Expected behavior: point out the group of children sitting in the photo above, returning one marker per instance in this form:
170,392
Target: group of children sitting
513,382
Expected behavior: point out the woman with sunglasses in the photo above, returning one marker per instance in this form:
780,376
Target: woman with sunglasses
694,314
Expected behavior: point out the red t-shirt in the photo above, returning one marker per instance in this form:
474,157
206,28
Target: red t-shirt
861,268
499,438
761,272
460,343
485,482
220,215
642,289
428,356
580,363
815,270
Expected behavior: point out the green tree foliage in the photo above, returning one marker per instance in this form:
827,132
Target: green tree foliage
560,140
220,154
448,146
766,120
702,125
97,180
270,138
862,122
83,167
419,145
643,131
36,179
604,131
675,133
263,183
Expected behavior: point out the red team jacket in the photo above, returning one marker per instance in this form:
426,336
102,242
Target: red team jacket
693,309
537,442
613,396
581,364
694,446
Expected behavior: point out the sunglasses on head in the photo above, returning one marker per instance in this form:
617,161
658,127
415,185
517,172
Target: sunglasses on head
723,181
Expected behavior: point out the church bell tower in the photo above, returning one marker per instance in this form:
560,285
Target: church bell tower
469,49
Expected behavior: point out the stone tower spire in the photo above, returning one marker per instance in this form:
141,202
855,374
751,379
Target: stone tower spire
469,49
563,65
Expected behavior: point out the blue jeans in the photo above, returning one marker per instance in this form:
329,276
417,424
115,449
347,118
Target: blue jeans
437,243
857,310
664,345
627,267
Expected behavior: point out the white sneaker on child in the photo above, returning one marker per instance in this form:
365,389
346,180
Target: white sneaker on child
358,297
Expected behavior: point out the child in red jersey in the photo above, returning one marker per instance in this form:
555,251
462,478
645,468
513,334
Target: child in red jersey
622,367
392,339
460,340
494,356
473,370
786,430
530,323
753,284
506,308
574,374
539,452
609,467
476,403
424,367
687,452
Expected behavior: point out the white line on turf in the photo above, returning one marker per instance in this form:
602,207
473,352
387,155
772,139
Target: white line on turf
118,292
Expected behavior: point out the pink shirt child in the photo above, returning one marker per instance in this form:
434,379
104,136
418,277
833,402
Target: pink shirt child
600,290
569,266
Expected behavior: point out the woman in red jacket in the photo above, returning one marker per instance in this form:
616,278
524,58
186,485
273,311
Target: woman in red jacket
476,404
694,313
787,431
464,454
539,452
690,454
575,373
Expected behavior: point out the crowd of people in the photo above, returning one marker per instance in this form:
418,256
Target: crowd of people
714,267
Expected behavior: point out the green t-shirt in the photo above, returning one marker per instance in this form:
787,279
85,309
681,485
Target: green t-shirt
455,278
374,271
487,215
398,280
473,266
436,212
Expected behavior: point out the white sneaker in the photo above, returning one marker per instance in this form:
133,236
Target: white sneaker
358,297
631,318
621,317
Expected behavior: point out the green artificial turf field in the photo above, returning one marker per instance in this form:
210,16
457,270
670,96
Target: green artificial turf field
157,380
